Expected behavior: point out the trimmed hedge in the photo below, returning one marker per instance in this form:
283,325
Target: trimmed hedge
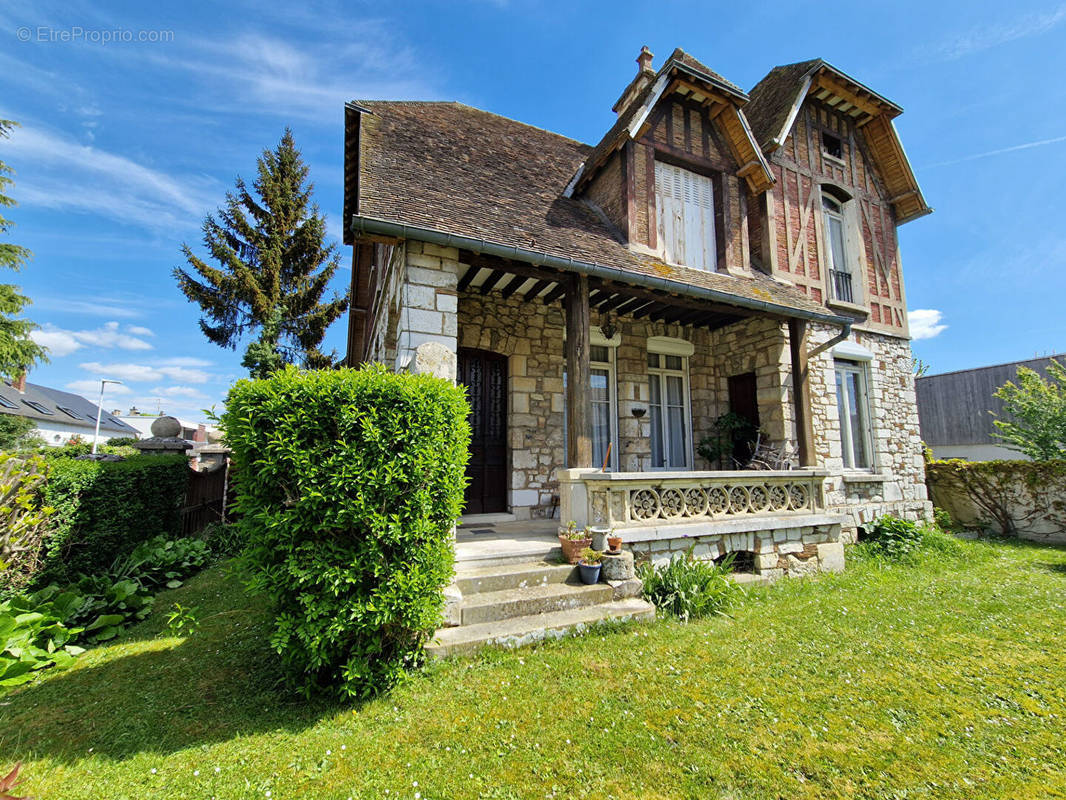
348,483
104,509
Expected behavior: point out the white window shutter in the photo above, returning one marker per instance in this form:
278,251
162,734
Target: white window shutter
685,209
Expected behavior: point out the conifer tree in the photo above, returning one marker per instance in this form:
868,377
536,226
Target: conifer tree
273,268
18,352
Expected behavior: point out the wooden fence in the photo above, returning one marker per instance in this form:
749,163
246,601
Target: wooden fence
205,499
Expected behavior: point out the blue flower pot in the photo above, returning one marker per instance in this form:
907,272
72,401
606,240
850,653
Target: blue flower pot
590,573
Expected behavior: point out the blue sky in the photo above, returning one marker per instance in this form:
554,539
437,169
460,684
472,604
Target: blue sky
125,145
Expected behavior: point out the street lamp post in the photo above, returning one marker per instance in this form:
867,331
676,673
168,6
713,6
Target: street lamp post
100,410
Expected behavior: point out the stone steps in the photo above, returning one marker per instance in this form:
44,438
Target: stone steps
519,631
512,602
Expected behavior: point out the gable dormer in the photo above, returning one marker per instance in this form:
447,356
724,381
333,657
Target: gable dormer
843,185
675,173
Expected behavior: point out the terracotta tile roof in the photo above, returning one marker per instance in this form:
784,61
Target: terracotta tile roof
772,99
457,169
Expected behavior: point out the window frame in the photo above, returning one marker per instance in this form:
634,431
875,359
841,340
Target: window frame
661,372
850,246
865,406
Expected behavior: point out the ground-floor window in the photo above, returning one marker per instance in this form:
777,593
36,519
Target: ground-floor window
604,405
853,407
669,411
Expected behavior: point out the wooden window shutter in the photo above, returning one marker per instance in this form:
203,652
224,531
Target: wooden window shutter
685,209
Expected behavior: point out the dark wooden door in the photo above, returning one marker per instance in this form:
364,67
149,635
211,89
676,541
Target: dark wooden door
484,375
744,402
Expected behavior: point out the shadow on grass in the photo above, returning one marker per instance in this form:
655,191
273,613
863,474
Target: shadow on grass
162,694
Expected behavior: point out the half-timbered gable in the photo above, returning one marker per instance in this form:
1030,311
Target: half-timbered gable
675,172
842,185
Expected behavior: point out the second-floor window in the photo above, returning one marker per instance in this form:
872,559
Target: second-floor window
836,249
684,205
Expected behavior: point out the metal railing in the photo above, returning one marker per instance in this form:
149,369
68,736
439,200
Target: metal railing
842,285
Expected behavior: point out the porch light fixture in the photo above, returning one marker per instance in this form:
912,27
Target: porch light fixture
639,412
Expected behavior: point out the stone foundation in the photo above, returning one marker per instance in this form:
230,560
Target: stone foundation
785,551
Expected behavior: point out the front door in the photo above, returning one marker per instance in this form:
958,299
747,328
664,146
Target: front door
484,375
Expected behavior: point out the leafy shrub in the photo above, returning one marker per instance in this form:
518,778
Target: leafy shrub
347,486
224,540
23,519
105,509
182,620
34,636
159,562
18,433
688,587
893,537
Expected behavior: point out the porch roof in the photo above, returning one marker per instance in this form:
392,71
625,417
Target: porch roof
446,172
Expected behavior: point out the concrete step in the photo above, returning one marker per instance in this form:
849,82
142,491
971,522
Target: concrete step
518,631
472,553
510,603
476,579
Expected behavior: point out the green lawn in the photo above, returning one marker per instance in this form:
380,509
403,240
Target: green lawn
943,679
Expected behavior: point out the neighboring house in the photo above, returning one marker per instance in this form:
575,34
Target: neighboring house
59,416
716,251
196,432
957,410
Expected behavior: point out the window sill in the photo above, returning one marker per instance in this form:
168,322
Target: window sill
849,308
838,162
866,477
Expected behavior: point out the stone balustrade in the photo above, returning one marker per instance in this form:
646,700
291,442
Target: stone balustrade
631,500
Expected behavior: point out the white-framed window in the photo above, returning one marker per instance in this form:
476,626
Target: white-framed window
684,207
604,394
853,408
669,411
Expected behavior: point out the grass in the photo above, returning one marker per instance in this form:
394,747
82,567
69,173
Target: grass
941,678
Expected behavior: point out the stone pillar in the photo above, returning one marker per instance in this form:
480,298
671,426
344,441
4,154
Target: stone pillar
801,392
574,497
429,303
166,439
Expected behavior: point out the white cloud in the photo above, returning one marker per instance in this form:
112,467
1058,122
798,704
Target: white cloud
1000,151
992,35
146,372
59,172
91,389
62,342
925,323
138,330
186,361
190,392
276,76
110,307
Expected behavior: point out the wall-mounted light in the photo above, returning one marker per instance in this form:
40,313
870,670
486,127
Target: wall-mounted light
608,328
639,412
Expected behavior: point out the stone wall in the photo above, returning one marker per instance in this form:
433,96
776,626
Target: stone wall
896,485
778,550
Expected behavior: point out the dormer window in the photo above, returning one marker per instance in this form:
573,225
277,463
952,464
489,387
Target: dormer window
684,205
832,146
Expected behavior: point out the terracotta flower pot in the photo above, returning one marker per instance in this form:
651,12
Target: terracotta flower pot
615,543
572,548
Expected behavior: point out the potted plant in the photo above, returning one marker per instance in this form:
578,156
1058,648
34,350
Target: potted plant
599,538
573,540
615,543
590,565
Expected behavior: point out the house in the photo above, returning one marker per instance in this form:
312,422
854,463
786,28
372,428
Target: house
59,416
957,410
717,250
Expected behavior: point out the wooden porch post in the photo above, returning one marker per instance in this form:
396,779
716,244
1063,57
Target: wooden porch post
578,400
801,392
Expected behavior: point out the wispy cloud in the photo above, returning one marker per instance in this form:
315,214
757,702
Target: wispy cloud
61,342
147,372
100,306
925,323
276,76
998,152
91,388
58,172
987,36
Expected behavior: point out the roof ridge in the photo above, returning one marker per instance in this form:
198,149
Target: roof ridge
460,104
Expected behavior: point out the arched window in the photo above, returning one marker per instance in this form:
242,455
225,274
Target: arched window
836,248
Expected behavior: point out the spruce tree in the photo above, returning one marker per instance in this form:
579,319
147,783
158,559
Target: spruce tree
273,268
18,352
